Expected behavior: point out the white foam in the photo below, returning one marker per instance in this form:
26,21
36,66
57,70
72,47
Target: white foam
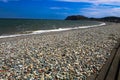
15,35
52,30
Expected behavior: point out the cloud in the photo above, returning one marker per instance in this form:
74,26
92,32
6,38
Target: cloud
99,8
117,2
100,11
64,13
58,8
5,1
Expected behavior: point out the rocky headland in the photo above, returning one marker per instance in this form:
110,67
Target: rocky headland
105,19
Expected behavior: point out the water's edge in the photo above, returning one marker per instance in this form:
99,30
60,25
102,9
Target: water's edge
52,30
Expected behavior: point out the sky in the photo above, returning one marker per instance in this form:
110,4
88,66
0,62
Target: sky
58,9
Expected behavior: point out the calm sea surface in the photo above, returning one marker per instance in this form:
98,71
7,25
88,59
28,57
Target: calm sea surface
12,26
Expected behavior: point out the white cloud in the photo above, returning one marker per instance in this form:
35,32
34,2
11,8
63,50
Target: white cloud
64,13
100,11
97,10
57,8
5,1
94,1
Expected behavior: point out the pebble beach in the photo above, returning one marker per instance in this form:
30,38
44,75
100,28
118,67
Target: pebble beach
66,55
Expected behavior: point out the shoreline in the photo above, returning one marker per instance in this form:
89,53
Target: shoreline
52,30
74,54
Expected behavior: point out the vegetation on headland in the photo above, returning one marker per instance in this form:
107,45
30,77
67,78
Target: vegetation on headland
106,19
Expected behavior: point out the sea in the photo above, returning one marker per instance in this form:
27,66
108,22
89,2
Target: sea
21,27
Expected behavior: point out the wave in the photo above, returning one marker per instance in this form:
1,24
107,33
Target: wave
52,30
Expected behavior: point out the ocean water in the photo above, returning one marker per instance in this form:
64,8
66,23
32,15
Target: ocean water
24,26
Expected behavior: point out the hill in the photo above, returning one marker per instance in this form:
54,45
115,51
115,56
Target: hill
106,19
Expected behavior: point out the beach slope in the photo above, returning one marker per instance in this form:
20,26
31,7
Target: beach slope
73,54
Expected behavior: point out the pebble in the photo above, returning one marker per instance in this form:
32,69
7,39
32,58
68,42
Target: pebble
74,54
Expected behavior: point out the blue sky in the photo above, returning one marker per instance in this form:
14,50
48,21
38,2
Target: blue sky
58,9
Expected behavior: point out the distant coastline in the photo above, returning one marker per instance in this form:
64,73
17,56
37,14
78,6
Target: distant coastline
104,19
